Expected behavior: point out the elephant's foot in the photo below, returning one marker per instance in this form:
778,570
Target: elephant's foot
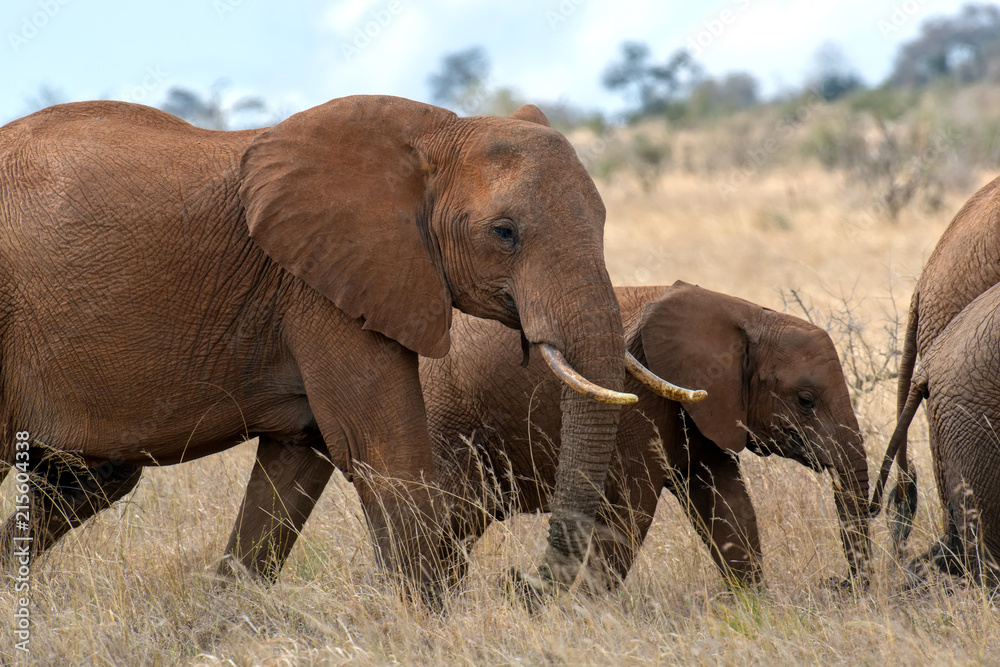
854,583
231,570
530,592
946,556
901,507
62,495
857,581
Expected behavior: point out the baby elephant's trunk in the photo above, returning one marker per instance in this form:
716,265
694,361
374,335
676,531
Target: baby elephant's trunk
851,498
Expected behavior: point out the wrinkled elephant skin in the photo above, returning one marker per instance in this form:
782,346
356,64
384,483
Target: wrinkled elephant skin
169,291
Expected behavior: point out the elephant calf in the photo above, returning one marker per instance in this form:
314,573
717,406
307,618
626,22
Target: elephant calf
774,384
959,378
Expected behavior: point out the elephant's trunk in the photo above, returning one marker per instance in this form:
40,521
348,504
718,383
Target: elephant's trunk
850,469
593,343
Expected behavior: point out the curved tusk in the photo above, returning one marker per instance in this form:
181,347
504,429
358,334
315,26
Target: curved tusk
557,362
660,386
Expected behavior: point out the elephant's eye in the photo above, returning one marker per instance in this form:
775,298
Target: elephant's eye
506,232
806,402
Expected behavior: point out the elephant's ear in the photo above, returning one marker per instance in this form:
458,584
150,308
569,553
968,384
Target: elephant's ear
338,196
532,114
696,338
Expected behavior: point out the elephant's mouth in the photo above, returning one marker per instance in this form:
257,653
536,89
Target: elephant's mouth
510,306
801,450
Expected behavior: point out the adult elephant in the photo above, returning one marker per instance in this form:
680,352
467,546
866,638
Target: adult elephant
169,291
959,379
775,385
964,264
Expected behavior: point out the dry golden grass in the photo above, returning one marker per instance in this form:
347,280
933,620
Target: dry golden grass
133,587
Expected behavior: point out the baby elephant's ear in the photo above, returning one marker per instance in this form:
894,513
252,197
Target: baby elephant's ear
338,195
694,337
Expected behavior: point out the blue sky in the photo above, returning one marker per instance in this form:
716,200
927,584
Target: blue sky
298,54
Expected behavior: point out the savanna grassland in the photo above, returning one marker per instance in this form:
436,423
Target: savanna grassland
135,585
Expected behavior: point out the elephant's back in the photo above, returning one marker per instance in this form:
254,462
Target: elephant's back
964,264
68,142
632,299
126,270
71,119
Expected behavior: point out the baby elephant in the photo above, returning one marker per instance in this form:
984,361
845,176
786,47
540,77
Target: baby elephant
960,380
775,385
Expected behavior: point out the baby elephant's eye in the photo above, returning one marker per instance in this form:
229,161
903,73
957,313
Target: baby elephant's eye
806,402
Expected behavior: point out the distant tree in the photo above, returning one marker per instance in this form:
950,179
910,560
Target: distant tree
461,79
965,47
736,90
649,86
463,83
833,75
211,111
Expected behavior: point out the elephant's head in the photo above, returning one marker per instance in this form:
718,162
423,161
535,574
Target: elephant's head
397,210
775,385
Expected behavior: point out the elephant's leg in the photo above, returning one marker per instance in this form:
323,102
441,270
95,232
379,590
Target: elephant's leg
720,509
404,517
62,494
468,495
622,524
366,400
955,552
284,486
945,555
968,554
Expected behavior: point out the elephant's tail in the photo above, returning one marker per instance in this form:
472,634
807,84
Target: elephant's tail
896,451
907,362
903,497
909,355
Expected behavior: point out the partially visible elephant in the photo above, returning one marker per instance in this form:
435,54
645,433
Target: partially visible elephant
168,292
959,377
775,385
964,264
